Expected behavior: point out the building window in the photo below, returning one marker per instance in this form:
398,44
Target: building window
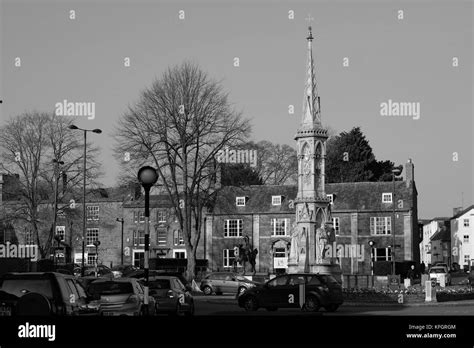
91,258
466,222
139,217
161,215
280,252
276,200
240,201
382,254
387,197
279,227
380,225
228,257
138,258
92,213
233,228
179,254
161,239
178,237
335,225
138,237
61,231
467,259
92,236
331,198
466,238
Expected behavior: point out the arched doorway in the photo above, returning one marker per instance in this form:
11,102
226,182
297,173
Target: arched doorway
280,252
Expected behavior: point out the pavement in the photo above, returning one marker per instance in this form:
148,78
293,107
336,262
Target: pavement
419,304
231,299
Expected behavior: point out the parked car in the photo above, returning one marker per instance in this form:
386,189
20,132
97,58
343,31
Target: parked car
225,282
437,271
171,295
44,294
441,264
284,292
122,296
103,271
122,270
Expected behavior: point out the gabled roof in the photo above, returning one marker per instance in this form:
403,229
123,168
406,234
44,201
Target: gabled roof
348,196
461,213
444,234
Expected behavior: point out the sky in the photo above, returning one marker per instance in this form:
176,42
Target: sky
407,60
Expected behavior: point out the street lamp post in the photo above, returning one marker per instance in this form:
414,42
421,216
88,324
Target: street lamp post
98,131
57,237
148,177
55,207
396,171
121,250
371,243
96,244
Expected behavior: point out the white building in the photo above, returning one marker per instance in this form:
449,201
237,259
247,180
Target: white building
429,229
462,237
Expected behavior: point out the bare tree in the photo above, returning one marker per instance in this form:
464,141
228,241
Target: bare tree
276,164
178,126
28,145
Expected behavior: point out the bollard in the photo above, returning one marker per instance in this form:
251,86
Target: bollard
424,279
430,291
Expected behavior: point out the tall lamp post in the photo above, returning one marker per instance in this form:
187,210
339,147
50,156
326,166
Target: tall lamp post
371,244
121,250
57,237
55,207
148,177
96,244
396,171
98,131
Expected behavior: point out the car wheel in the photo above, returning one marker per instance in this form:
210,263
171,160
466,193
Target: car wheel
271,309
250,304
34,304
241,290
207,290
331,308
311,304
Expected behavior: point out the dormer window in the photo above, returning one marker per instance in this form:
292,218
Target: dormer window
387,197
276,200
331,198
240,201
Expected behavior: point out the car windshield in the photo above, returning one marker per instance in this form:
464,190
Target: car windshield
160,284
329,279
20,287
110,288
438,270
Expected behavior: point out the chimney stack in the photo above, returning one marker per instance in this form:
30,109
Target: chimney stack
410,172
457,210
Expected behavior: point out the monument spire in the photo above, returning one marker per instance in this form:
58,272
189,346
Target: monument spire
311,103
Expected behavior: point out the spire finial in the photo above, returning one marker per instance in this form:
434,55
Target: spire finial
311,103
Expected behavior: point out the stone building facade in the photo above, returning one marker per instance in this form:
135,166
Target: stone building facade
361,212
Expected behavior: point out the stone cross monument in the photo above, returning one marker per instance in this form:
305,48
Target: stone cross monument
313,230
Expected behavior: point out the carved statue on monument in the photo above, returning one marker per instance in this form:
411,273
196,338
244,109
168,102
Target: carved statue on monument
321,242
325,235
294,248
